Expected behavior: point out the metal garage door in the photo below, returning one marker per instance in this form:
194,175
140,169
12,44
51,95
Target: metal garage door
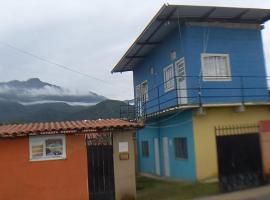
239,157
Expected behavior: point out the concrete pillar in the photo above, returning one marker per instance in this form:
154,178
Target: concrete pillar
124,167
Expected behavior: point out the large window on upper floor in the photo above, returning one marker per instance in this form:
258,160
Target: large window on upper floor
216,67
168,78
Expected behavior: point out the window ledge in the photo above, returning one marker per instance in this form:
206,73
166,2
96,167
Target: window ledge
169,89
47,159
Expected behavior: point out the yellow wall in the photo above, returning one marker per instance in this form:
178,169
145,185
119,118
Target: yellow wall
204,134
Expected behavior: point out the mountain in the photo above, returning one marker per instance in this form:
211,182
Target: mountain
35,91
13,112
32,83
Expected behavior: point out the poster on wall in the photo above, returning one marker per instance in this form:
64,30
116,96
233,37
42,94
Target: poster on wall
123,147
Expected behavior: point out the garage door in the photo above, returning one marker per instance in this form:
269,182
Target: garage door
239,157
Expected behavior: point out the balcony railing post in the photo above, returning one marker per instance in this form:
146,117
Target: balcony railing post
242,90
176,89
128,111
200,91
158,99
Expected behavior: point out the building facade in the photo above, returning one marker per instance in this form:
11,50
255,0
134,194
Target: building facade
79,160
199,73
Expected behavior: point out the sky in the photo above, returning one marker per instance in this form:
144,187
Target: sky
86,36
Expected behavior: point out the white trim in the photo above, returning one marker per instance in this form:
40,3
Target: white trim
42,139
168,81
146,94
182,92
228,78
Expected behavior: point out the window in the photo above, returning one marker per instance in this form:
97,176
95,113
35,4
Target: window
216,67
145,149
47,147
168,78
138,91
180,148
144,91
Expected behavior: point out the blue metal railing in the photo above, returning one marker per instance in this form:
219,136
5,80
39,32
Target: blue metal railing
216,90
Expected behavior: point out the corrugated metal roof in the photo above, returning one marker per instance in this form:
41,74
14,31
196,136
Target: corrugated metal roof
67,127
158,27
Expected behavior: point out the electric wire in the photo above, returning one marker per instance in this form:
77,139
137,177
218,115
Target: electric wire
62,66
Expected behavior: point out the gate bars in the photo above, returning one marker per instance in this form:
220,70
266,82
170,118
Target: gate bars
236,129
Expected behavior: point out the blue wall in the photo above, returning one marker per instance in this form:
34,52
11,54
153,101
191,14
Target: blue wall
244,47
178,124
159,58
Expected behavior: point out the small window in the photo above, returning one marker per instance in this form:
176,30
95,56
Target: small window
47,147
138,91
216,67
180,148
145,149
168,78
144,91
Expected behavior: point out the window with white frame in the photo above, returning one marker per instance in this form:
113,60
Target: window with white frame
144,91
47,147
168,78
216,67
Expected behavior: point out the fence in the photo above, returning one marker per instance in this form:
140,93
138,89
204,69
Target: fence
195,90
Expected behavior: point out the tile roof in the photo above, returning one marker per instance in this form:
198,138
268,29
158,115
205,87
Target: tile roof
66,127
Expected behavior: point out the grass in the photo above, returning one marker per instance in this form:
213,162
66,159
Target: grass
152,189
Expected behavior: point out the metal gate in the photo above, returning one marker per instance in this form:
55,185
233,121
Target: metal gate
100,167
239,157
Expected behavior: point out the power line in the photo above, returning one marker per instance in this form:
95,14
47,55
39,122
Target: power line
54,63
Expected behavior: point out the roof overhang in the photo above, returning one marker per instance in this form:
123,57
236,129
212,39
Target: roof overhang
163,21
67,127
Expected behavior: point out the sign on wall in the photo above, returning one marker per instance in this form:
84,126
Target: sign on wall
123,147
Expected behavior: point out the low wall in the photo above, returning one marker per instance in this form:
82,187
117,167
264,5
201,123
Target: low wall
44,180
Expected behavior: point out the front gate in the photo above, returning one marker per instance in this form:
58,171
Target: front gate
100,167
239,157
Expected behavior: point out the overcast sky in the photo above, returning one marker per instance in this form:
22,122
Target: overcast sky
89,36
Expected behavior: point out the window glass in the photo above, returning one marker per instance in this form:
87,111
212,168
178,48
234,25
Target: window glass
180,147
145,149
47,147
54,147
168,78
37,149
144,91
216,67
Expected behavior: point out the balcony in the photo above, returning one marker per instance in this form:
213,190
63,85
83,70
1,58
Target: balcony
199,91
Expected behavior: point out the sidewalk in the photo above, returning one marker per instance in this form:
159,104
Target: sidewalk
260,193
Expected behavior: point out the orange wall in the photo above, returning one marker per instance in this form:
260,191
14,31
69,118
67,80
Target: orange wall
43,180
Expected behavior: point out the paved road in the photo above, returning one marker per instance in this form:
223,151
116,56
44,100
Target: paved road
260,193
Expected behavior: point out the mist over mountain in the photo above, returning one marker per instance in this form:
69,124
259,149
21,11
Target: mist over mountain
12,112
36,101
35,91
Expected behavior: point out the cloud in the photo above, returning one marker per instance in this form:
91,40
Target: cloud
88,36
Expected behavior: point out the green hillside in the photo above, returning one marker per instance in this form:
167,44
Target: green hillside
12,112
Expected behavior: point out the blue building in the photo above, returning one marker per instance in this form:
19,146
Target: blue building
196,70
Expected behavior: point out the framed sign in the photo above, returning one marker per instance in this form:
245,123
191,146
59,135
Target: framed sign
123,147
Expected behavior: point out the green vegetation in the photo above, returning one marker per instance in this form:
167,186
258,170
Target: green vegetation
152,189
12,112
